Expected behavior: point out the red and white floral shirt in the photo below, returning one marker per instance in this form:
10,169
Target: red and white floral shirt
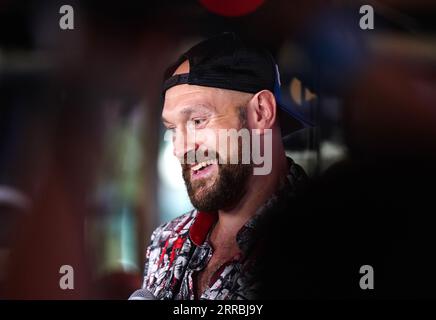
181,247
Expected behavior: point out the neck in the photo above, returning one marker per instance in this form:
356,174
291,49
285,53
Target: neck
259,189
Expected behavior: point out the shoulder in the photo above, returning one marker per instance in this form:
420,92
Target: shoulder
164,246
297,178
174,227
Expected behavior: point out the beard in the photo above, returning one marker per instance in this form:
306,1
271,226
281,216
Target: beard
224,192
230,182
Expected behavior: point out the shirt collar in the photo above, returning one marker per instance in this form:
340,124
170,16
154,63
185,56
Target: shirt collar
202,224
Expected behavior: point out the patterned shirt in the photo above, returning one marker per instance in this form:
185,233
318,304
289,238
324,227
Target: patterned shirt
181,248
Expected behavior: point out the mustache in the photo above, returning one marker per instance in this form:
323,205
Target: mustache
191,158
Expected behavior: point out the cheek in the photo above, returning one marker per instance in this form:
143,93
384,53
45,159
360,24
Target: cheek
227,146
207,139
217,137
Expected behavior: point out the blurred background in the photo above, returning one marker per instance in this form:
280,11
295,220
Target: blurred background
85,174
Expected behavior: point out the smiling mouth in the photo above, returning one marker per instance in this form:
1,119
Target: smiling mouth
203,168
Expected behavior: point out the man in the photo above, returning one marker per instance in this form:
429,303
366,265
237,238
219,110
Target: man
210,253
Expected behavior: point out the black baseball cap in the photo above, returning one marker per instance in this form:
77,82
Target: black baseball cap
226,62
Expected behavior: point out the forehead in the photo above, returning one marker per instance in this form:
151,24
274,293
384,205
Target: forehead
184,95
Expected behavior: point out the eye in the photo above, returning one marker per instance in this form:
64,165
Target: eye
198,122
170,129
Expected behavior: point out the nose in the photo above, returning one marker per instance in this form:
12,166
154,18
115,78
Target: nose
183,143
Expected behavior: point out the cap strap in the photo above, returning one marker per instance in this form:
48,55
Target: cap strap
175,80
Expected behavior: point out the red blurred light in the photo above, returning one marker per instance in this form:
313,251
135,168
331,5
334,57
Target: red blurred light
231,8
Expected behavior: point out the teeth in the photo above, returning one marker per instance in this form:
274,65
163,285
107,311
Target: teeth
203,164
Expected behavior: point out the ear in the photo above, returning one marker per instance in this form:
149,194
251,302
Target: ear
262,110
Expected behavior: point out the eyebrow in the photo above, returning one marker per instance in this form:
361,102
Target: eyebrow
191,109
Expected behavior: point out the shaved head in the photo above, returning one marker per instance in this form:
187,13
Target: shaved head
182,68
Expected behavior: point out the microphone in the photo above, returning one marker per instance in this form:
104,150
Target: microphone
142,294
